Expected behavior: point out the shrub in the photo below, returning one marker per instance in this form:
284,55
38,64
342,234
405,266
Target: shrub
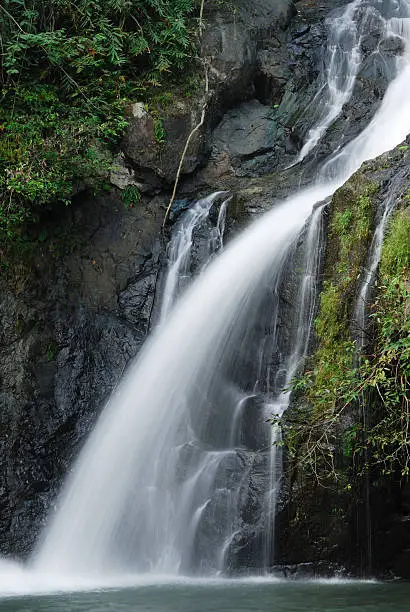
67,70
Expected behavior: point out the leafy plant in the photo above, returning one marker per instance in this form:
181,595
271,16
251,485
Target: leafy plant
131,196
329,385
67,72
159,130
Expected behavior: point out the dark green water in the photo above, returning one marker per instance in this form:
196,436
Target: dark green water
225,597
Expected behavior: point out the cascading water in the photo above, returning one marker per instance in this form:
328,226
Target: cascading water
395,27
360,313
342,61
160,483
385,130
360,322
305,301
179,248
149,464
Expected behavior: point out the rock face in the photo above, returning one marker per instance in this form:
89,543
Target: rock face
74,315
153,147
356,524
264,66
231,41
70,325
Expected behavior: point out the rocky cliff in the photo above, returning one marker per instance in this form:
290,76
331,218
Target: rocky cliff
343,505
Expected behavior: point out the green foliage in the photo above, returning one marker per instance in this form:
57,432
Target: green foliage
45,148
131,196
350,230
388,369
159,131
227,5
338,386
51,351
342,221
349,235
330,384
67,71
351,439
192,85
395,256
387,374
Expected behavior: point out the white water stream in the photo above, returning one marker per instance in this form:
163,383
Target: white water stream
342,62
306,301
361,309
180,245
149,472
127,482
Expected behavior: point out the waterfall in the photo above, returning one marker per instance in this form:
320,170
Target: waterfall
306,300
360,322
161,482
128,494
388,126
342,61
179,247
366,285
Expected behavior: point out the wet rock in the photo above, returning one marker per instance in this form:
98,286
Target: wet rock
246,552
122,176
358,522
246,132
153,147
231,41
137,301
71,322
254,435
309,571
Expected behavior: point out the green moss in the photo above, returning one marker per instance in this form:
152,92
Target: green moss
350,229
131,196
311,432
395,256
349,234
51,351
387,370
337,385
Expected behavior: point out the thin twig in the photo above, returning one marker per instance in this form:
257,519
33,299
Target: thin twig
201,17
184,152
12,18
195,129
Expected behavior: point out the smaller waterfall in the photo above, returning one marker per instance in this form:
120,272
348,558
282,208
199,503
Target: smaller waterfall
180,245
305,306
216,241
342,60
360,312
307,292
360,322
389,125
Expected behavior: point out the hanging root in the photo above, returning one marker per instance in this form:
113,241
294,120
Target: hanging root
195,129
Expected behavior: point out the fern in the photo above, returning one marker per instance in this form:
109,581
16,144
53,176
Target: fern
67,70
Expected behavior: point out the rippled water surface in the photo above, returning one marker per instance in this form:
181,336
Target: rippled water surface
225,597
